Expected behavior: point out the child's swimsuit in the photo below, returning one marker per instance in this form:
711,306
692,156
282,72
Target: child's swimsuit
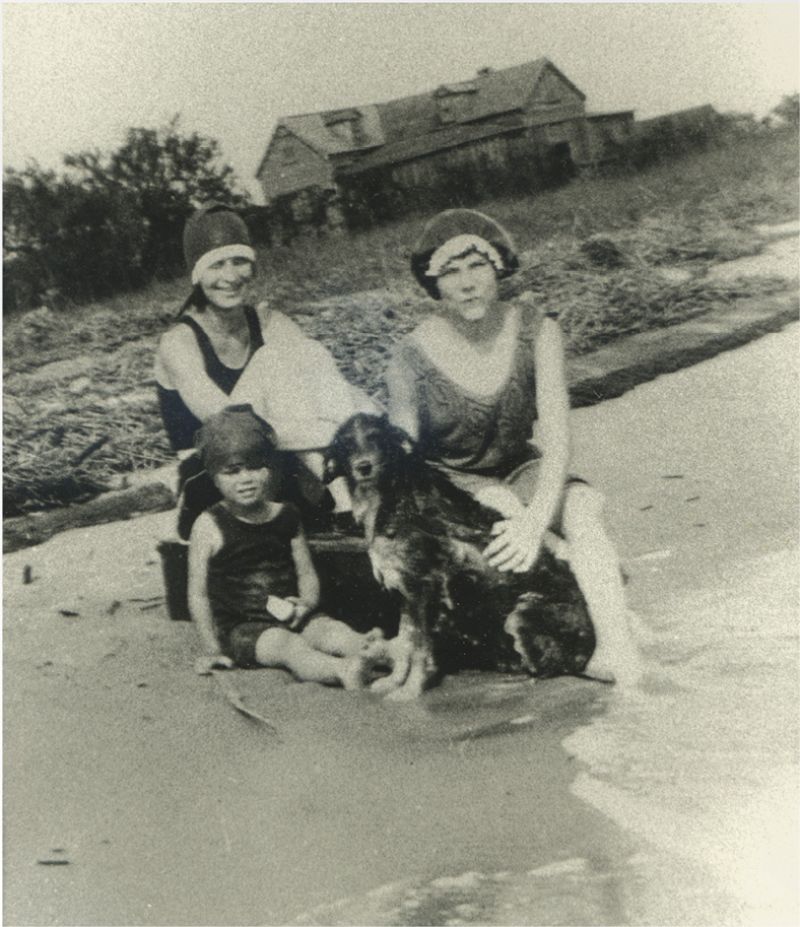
255,561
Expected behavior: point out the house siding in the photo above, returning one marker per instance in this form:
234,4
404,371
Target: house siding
546,136
606,135
291,165
426,172
552,90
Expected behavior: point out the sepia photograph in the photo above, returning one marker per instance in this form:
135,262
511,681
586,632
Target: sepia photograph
401,463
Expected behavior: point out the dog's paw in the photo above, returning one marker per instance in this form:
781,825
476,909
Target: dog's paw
395,654
405,693
419,677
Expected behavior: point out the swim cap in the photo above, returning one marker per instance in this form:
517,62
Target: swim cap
456,232
213,233
236,435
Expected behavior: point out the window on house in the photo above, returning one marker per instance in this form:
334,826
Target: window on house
343,130
287,152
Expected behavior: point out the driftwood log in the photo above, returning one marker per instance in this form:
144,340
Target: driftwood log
27,530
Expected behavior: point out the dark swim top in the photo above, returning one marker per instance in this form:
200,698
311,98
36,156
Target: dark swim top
180,423
254,561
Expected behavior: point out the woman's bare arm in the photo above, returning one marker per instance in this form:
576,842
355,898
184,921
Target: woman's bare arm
519,539
552,401
402,403
179,358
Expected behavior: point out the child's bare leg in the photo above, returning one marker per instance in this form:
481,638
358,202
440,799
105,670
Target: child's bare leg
596,567
283,649
335,637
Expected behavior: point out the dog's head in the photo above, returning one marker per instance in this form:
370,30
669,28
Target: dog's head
367,450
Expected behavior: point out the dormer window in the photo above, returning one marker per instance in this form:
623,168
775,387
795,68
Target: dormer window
454,101
343,130
346,126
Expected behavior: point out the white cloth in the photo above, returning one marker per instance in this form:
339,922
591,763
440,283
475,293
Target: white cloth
220,254
458,246
294,384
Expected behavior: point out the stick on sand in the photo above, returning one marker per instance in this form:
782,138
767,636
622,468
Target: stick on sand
236,701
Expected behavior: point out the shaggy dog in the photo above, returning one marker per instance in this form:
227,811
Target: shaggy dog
425,540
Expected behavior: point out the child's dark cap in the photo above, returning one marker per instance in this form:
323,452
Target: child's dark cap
236,435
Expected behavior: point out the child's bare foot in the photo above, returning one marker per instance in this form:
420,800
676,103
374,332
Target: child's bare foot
359,670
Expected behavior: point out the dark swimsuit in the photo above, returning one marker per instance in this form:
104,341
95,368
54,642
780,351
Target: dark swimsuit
180,423
254,561
197,489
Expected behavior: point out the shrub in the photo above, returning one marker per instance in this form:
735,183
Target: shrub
109,223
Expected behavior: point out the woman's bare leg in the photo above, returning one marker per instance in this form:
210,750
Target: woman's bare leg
596,568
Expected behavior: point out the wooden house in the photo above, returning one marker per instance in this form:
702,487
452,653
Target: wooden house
528,116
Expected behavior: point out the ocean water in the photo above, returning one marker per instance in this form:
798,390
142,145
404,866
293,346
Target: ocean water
703,762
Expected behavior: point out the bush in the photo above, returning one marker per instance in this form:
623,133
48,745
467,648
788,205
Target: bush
109,223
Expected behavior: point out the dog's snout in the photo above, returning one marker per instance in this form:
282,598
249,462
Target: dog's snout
364,468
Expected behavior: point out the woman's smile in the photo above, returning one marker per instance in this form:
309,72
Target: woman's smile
225,282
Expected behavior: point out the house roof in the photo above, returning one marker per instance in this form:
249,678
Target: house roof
491,93
408,127
612,114
316,129
706,109
407,149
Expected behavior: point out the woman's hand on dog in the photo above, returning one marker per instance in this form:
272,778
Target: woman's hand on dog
516,544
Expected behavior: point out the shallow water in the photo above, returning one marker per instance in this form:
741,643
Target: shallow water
703,763
700,765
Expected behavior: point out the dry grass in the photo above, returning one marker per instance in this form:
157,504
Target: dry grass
595,250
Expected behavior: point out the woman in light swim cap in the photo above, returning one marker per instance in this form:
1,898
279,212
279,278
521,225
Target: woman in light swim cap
469,383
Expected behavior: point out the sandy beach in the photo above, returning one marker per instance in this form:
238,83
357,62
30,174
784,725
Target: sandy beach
134,794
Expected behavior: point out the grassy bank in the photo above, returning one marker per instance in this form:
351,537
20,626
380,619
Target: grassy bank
613,255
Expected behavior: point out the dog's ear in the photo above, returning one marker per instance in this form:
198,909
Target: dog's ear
401,438
331,466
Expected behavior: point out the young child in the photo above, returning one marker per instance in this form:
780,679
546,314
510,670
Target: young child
248,549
